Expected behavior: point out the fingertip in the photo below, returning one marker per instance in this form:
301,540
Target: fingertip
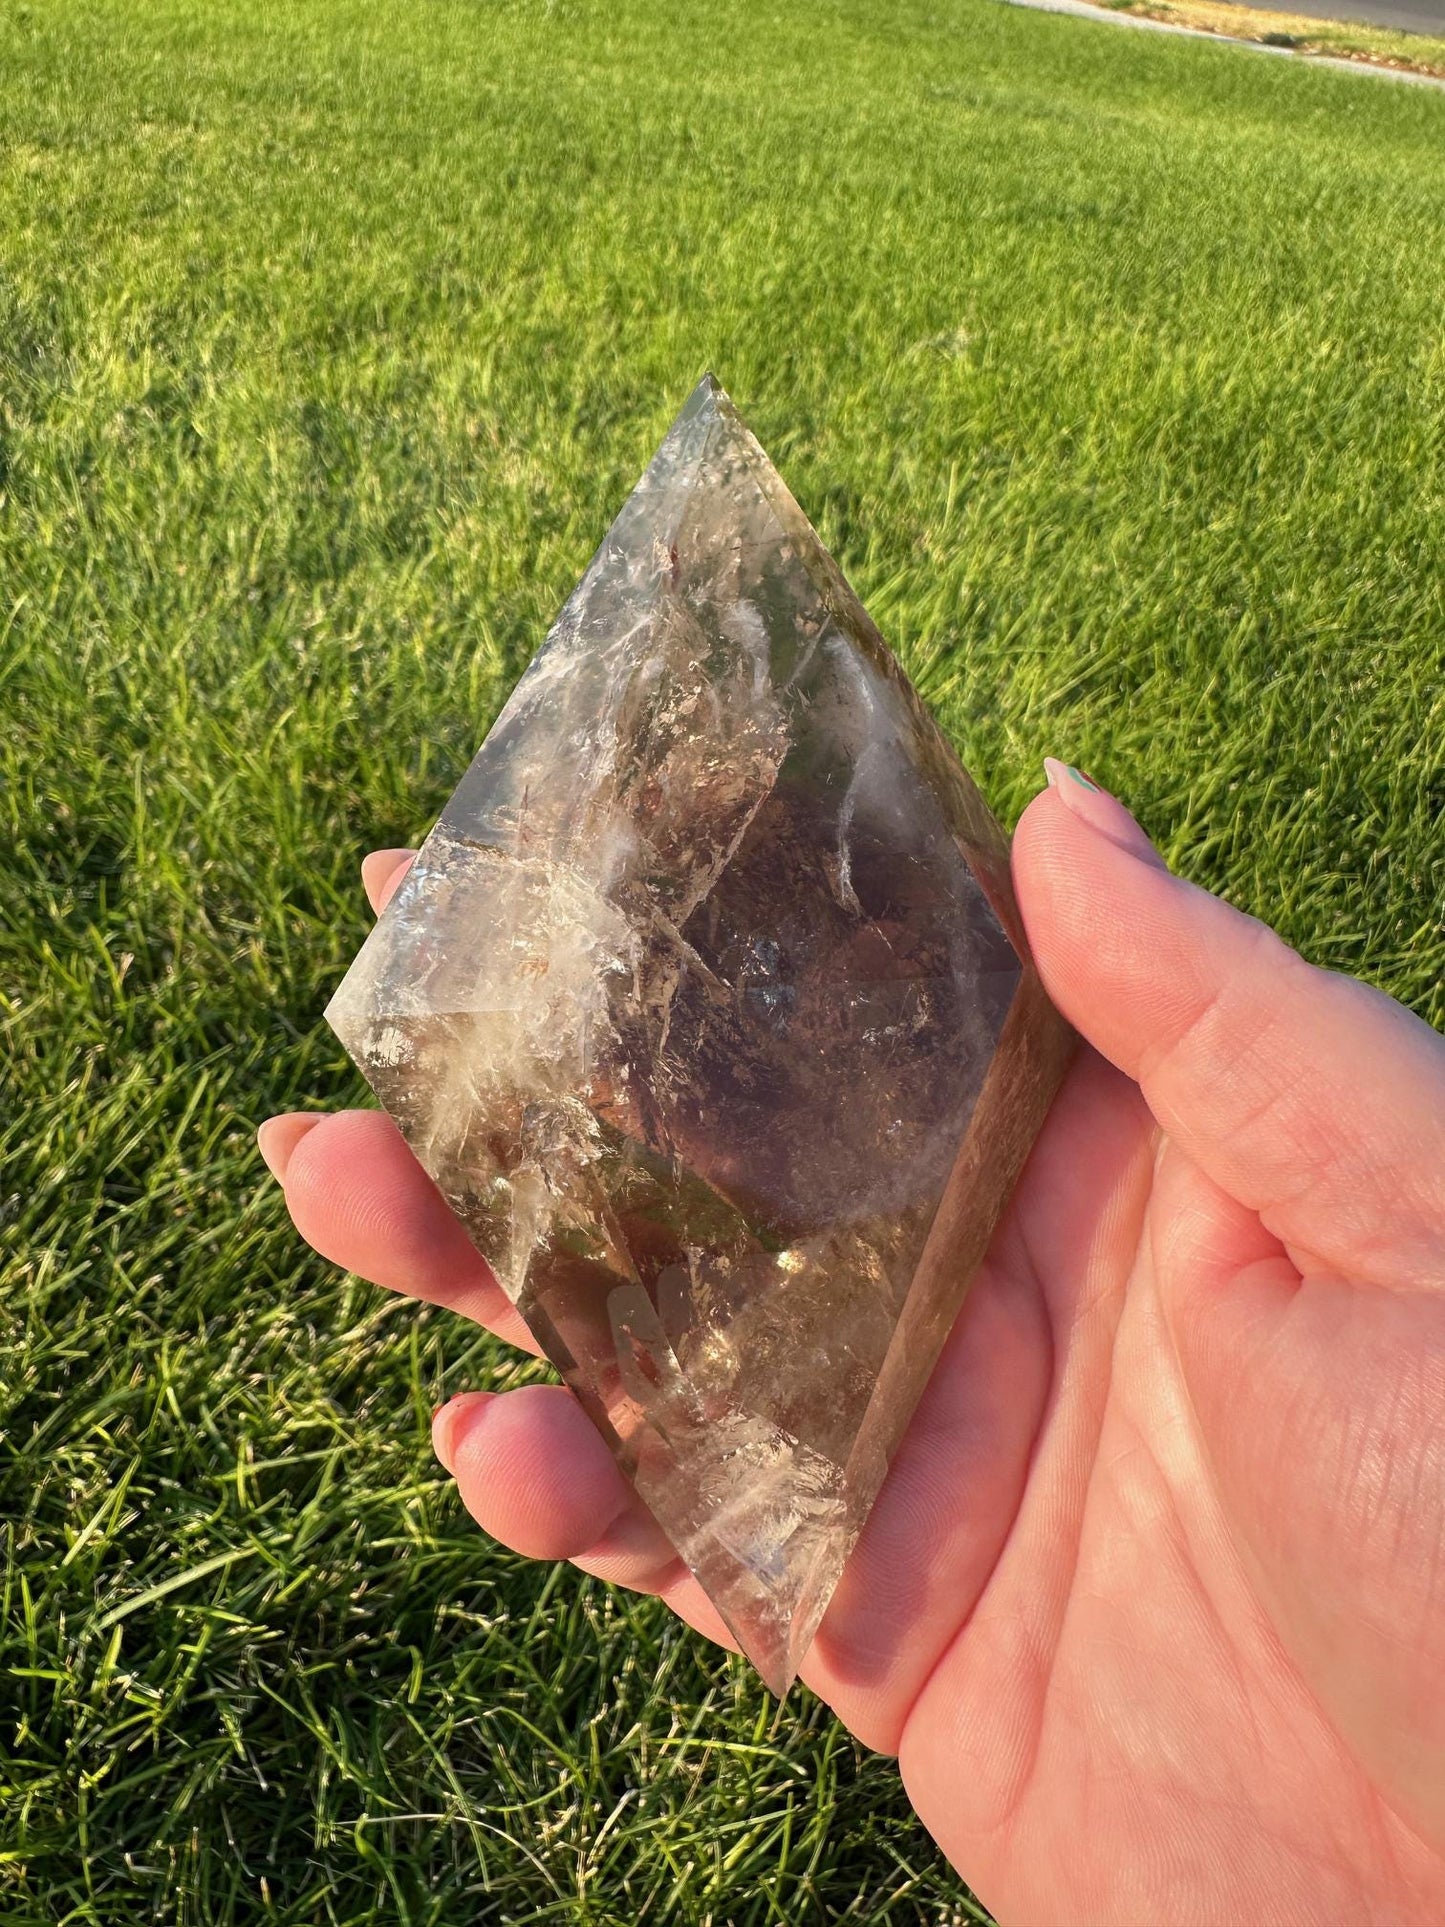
1306,1097
1071,796
278,1138
532,1470
451,1421
359,1196
382,872
340,1147
1116,937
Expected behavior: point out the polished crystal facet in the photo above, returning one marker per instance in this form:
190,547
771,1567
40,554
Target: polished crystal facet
707,1006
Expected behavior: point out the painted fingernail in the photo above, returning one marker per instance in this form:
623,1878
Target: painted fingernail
1060,775
1105,814
278,1137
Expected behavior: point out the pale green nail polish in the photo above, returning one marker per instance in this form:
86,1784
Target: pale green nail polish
1056,771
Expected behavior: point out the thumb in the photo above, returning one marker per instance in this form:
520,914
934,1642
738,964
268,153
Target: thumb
1309,1097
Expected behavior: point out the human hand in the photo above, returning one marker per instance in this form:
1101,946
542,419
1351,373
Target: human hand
1152,1604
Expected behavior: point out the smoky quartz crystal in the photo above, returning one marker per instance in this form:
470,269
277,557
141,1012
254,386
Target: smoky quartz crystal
708,1008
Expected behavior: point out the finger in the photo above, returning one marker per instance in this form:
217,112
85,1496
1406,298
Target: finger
356,1194
278,1137
381,875
1313,1099
534,1472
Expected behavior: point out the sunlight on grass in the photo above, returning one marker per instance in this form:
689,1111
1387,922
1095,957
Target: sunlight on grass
331,336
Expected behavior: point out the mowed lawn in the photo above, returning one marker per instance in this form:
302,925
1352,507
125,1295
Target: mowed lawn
331,337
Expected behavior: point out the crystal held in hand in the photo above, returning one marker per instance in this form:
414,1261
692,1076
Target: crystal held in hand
707,1006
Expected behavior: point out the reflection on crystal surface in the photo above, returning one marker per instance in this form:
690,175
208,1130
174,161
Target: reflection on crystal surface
707,1006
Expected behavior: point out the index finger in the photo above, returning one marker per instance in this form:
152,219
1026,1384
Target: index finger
358,1196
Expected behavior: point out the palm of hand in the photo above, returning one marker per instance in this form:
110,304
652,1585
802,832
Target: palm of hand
1113,1710
1152,1604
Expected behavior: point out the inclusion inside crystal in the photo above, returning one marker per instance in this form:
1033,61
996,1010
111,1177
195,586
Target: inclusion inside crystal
707,1006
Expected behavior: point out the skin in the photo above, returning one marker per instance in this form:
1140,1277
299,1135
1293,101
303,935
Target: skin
1152,1605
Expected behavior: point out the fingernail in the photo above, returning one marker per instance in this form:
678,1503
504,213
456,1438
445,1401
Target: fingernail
1060,775
1092,804
278,1137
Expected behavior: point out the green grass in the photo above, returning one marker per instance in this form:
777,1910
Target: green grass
330,338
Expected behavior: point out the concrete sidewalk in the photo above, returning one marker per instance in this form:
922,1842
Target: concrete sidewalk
1084,11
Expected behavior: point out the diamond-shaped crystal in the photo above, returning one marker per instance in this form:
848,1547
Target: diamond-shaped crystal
707,1006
